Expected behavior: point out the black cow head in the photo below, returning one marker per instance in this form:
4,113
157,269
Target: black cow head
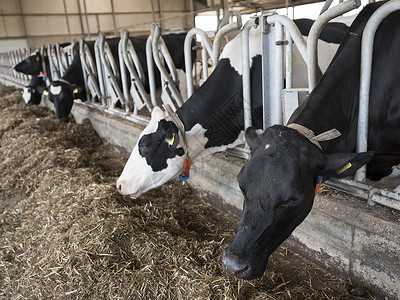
32,93
62,96
278,184
32,65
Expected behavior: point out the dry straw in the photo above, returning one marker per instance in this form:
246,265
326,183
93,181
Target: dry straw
66,234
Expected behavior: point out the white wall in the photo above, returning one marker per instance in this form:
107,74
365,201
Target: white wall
44,21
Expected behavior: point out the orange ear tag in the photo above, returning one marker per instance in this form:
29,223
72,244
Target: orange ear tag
186,170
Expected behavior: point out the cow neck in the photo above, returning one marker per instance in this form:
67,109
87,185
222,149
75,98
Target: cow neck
64,81
309,134
173,117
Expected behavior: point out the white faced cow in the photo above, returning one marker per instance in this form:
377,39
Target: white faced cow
212,120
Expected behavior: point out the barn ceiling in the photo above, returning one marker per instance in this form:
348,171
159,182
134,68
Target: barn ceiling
249,6
258,5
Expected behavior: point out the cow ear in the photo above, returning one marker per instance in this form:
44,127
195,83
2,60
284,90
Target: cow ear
42,90
74,89
252,138
340,165
171,135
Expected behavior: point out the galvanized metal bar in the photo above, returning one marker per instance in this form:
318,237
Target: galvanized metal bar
100,70
223,30
294,32
155,33
230,14
386,197
150,70
267,40
53,62
112,74
277,78
128,54
207,48
122,67
246,73
66,19
327,4
367,44
218,39
289,62
316,28
113,17
87,19
168,60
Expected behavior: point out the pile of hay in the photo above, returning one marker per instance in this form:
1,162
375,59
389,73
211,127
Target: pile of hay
66,234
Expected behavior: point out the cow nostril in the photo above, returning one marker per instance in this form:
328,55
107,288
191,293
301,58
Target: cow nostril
119,187
233,264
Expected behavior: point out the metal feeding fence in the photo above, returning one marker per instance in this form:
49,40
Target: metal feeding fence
118,87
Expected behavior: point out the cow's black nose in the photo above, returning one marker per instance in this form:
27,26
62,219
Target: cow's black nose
234,265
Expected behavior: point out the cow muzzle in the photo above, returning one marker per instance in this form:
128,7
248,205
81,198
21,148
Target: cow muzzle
239,267
122,191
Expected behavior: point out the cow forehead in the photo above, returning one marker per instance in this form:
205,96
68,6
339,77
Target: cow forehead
26,94
55,90
156,116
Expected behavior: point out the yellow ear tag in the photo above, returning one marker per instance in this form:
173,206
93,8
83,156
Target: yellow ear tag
171,141
22,91
344,168
37,58
75,91
46,93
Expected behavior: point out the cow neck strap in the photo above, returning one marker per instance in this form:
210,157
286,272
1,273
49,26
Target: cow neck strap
173,117
64,81
308,133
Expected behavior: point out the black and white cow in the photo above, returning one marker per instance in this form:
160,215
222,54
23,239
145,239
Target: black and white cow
279,181
35,65
61,92
70,86
212,119
32,93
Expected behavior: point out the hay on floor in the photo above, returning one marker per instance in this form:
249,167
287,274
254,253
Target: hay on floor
65,233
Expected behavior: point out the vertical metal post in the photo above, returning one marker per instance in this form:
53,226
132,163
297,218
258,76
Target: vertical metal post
367,45
267,54
22,17
277,78
124,80
246,74
66,19
153,12
150,70
289,62
160,12
80,17
87,19
113,16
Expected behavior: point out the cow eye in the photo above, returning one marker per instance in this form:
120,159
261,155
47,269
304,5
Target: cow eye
144,145
294,201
